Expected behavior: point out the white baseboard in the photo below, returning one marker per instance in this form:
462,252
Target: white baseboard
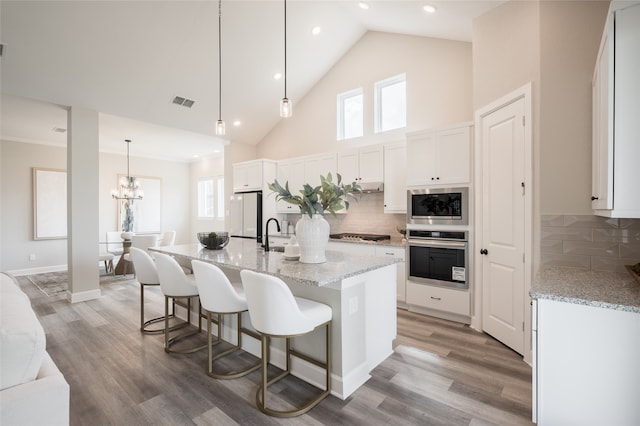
83,296
38,270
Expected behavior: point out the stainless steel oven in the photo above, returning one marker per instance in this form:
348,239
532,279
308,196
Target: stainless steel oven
438,258
438,206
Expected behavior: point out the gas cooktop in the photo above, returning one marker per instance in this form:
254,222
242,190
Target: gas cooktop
359,237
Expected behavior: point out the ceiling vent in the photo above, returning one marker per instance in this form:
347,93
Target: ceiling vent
183,101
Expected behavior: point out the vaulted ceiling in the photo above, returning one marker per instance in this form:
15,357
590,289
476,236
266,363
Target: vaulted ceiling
130,59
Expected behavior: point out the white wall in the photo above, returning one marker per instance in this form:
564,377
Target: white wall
439,92
570,33
17,201
18,159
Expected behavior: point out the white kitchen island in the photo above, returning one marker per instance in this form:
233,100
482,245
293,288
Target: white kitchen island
360,290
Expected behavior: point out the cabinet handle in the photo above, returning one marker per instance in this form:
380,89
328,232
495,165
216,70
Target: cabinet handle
436,298
593,198
438,178
388,254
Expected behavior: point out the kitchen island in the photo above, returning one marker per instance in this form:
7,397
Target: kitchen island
586,347
360,290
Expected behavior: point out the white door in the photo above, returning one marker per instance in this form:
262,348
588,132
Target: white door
503,224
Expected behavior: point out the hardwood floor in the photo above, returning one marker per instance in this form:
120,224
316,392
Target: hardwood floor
441,373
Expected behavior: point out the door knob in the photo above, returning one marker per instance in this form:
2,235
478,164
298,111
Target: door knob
484,251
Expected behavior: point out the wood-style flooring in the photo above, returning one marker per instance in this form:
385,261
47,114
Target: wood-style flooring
441,373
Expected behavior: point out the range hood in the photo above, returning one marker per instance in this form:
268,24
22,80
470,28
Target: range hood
372,187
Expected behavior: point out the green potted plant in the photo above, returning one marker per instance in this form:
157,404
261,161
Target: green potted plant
312,230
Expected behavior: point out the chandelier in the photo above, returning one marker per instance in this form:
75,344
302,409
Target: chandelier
129,187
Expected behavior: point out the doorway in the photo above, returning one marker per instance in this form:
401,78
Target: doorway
503,217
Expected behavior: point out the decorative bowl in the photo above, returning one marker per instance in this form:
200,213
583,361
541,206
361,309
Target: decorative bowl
213,240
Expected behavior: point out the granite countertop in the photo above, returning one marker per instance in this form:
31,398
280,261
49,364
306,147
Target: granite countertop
610,290
246,254
393,242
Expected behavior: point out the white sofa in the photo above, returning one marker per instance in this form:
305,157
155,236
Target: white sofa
32,389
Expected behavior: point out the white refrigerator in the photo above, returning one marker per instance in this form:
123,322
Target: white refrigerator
245,215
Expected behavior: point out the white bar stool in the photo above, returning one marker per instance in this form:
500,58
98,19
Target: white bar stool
275,312
219,296
147,275
175,284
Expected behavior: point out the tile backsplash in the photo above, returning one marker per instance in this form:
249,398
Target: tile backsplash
365,216
589,242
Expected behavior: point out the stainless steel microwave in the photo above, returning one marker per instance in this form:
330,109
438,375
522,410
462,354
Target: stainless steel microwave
438,206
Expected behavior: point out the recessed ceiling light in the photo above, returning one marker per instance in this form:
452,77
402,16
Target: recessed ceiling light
237,123
277,76
316,30
429,8
363,5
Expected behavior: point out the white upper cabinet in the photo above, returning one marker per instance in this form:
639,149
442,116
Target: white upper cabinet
253,175
363,165
439,157
616,108
291,171
395,178
317,165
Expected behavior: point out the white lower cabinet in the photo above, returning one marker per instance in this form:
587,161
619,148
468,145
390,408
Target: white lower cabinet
401,286
438,298
586,365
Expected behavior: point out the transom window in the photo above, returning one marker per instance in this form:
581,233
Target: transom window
390,103
350,114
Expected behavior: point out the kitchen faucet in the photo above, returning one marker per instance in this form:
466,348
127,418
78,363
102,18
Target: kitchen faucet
266,231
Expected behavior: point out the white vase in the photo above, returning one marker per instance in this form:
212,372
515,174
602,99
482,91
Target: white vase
313,236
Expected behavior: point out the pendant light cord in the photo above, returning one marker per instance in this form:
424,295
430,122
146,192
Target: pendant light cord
219,60
285,49
128,141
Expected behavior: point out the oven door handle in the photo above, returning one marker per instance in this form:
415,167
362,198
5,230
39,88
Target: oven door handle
439,244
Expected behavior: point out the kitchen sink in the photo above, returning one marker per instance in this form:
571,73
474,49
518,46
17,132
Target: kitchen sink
279,249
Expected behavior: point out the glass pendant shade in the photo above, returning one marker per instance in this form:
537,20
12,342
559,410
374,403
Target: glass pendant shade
220,130
286,108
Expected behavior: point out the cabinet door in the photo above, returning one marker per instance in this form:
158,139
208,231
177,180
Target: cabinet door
320,165
398,253
247,176
421,162
454,156
602,159
292,171
348,166
395,178
371,164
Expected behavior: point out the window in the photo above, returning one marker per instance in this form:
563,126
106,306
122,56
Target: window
220,197
211,197
205,198
350,114
390,98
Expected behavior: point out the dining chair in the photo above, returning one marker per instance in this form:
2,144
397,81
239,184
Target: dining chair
276,312
168,238
114,243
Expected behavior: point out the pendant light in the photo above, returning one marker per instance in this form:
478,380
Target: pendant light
220,124
286,107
